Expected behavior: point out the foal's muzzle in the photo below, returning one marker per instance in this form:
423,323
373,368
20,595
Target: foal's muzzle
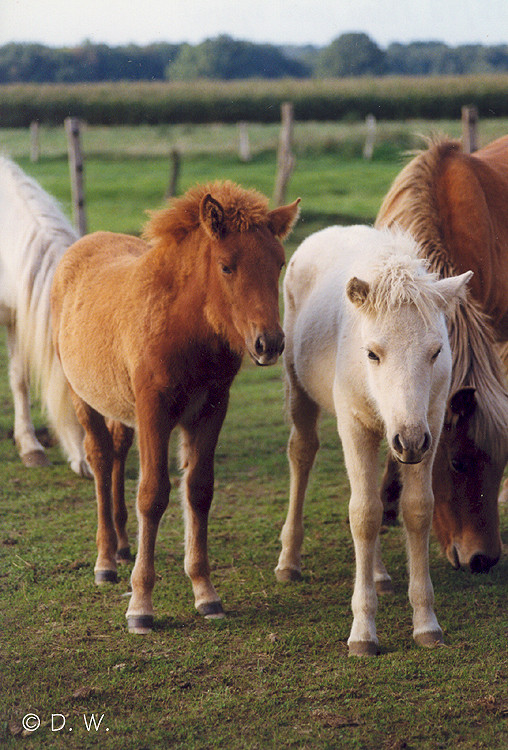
268,348
408,449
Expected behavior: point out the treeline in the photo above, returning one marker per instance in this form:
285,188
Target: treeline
224,58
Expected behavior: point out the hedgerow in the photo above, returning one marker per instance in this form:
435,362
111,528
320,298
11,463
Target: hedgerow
255,101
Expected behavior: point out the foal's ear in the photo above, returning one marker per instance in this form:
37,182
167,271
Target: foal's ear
211,215
282,220
357,291
453,288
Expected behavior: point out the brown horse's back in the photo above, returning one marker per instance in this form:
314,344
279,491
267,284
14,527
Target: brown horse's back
458,203
96,270
473,194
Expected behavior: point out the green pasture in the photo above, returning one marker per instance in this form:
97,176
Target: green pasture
127,169
275,673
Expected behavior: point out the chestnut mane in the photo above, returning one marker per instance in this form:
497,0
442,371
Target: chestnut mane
243,210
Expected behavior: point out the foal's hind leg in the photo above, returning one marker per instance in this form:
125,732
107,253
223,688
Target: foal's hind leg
302,448
99,453
31,451
122,437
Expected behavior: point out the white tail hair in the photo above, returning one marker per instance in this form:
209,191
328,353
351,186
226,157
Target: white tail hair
40,235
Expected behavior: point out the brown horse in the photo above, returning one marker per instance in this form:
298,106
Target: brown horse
456,206
150,334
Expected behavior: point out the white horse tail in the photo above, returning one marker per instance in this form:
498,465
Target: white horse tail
45,235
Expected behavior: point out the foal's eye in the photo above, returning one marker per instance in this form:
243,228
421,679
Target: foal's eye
372,356
226,269
436,354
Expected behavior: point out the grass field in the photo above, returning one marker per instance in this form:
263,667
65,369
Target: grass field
275,673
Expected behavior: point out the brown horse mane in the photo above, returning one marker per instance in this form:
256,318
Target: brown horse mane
243,210
411,205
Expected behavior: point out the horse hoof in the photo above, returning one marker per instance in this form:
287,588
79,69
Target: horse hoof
35,458
433,639
105,576
124,555
82,469
384,587
287,575
211,610
363,648
140,624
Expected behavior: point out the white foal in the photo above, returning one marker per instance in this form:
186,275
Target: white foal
366,339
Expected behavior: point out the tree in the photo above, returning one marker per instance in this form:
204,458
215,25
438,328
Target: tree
422,58
225,58
352,54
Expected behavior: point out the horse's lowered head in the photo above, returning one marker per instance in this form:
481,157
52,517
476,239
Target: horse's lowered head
466,484
406,350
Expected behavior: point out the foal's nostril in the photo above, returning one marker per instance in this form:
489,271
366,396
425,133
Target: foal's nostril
260,345
481,563
397,445
410,448
426,443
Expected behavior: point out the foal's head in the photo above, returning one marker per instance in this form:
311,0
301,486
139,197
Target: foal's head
246,258
231,243
406,349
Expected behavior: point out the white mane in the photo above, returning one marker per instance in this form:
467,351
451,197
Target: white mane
400,277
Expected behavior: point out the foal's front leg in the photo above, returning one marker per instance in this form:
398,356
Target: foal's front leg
365,513
417,505
154,429
199,439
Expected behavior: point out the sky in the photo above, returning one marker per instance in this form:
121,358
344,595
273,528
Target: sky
59,23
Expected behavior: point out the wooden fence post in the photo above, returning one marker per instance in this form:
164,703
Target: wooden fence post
73,130
285,157
368,149
244,145
35,150
469,129
174,174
